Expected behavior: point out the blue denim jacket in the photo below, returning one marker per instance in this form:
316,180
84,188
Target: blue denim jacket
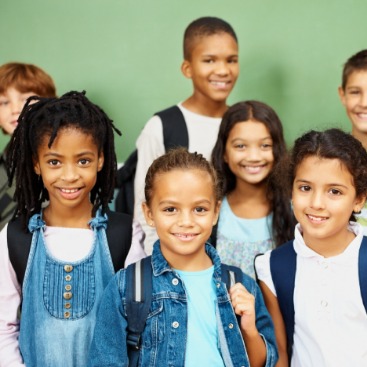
164,337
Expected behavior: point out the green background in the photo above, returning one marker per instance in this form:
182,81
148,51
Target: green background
127,54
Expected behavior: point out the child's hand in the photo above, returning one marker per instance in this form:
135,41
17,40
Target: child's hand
243,303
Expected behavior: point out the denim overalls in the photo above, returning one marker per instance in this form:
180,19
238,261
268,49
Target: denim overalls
60,300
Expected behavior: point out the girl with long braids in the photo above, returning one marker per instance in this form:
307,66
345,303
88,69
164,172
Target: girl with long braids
63,161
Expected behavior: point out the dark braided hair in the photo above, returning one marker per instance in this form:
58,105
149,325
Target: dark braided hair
44,117
283,219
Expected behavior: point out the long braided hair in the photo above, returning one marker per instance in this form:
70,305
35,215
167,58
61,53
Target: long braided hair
44,117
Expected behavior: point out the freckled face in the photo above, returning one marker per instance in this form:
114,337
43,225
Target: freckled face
183,210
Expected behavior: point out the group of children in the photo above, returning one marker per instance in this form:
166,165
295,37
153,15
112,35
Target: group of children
63,297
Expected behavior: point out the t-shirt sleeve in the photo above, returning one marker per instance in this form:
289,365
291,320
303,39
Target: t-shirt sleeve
262,265
10,298
150,146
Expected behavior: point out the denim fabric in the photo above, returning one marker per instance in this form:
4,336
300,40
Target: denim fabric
164,337
60,300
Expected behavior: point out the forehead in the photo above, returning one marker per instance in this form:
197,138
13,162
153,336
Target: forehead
68,139
357,78
212,44
324,170
183,181
249,130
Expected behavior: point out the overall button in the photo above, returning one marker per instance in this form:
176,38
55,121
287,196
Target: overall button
68,268
68,295
67,305
175,324
68,277
66,314
230,326
175,281
68,287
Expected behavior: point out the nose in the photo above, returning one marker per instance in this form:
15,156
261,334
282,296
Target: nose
252,154
69,173
222,68
364,99
17,106
185,219
317,201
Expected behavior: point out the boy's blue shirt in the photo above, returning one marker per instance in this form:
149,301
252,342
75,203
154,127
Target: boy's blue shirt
164,337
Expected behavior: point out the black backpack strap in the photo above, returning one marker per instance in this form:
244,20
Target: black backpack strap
119,236
175,132
362,270
139,291
283,263
19,245
213,237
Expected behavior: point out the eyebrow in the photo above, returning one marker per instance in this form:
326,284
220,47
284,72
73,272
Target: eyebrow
54,154
328,184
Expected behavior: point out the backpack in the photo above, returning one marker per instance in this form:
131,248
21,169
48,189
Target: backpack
118,232
174,134
7,204
139,291
284,282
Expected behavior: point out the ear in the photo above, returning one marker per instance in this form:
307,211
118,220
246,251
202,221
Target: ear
148,214
186,69
225,159
36,167
341,95
216,212
359,203
100,162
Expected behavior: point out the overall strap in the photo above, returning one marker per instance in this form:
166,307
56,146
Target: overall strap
139,291
283,263
362,271
119,236
118,232
19,246
175,132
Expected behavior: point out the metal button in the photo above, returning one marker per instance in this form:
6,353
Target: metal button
67,305
218,285
68,268
68,295
68,277
175,324
230,326
324,303
175,281
68,287
66,314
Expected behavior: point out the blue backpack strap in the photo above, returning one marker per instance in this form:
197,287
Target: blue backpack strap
139,290
362,270
283,263
230,276
175,132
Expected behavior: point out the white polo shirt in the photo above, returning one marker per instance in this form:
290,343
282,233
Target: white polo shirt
330,319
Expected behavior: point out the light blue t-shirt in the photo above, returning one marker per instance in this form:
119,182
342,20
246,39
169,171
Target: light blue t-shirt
239,240
202,330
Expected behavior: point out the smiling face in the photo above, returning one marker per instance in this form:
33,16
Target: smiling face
249,152
213,67
183,209
11,104
354,99
324,198
69,169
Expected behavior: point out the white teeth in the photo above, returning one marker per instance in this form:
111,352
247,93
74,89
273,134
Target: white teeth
316,219
253,169
69,191
183,235
219,84
362,115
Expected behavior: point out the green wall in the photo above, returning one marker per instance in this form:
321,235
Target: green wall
127,54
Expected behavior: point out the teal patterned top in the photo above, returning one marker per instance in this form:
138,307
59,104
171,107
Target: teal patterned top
239,240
